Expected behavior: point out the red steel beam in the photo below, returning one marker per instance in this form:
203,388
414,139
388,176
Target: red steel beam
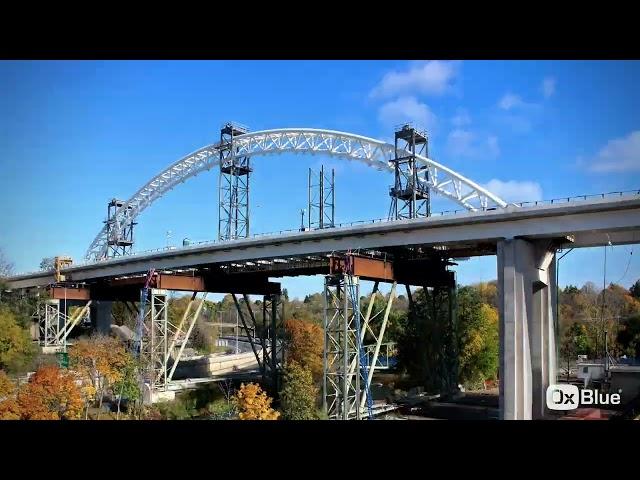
68,293
373,269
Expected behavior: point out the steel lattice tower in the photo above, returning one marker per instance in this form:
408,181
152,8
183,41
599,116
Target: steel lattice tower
321,199
233,186
410,192
342,372
119,228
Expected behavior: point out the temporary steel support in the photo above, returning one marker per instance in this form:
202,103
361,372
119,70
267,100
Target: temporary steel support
341,388
155,341
71,322
379,340
322,199
270,354
233,186
50,323
181,336
55,325
410,192
247,329
272,325
119,228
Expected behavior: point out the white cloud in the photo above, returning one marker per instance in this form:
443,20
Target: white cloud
465,143
548,86
461,118
510,100
515,191
618,155
429,78
460,142
407,109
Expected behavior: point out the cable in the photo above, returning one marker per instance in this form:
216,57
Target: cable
626,269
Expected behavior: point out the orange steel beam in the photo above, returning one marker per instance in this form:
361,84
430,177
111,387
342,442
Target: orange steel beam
366,268
166,282
62,293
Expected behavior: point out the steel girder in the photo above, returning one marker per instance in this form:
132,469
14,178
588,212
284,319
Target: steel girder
375,153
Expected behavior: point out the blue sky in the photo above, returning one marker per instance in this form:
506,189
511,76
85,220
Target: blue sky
74,134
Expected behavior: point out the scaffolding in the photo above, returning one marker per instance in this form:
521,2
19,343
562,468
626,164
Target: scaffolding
410,193
55,325
233,186
50,323
154,345
120,225
341,383
321,199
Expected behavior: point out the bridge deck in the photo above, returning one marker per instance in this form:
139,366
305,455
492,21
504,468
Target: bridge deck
587,223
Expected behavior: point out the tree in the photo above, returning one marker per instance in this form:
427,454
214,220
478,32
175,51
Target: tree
298,394
128,386
426,346
478,342
629,336
16,349
488,292
100,361
9,408
305,344
576,340
254,404
635,290
50,394
47,263
6,267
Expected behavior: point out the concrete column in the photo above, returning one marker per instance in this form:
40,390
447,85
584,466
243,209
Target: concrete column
514,259
526,283
101,316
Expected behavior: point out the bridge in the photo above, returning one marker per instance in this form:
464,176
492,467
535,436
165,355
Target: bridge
411,247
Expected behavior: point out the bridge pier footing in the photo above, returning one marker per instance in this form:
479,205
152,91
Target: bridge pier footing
527,289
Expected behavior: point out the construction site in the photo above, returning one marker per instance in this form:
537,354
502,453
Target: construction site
367,267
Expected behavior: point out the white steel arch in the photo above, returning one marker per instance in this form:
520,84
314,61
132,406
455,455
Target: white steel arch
374,153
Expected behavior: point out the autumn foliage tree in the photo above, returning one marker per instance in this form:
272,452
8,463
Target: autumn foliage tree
50,394
16,349
9,408
100,362
254,404
305,345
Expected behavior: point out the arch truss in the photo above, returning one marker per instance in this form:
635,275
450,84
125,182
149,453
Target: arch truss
375,153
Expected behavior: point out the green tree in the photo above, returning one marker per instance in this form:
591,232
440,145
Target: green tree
128,386
16,349
577,340
478,341
298,394
425,347
635,290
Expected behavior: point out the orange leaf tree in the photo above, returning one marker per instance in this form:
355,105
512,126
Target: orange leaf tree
50,394
305,345
9,408
254,404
